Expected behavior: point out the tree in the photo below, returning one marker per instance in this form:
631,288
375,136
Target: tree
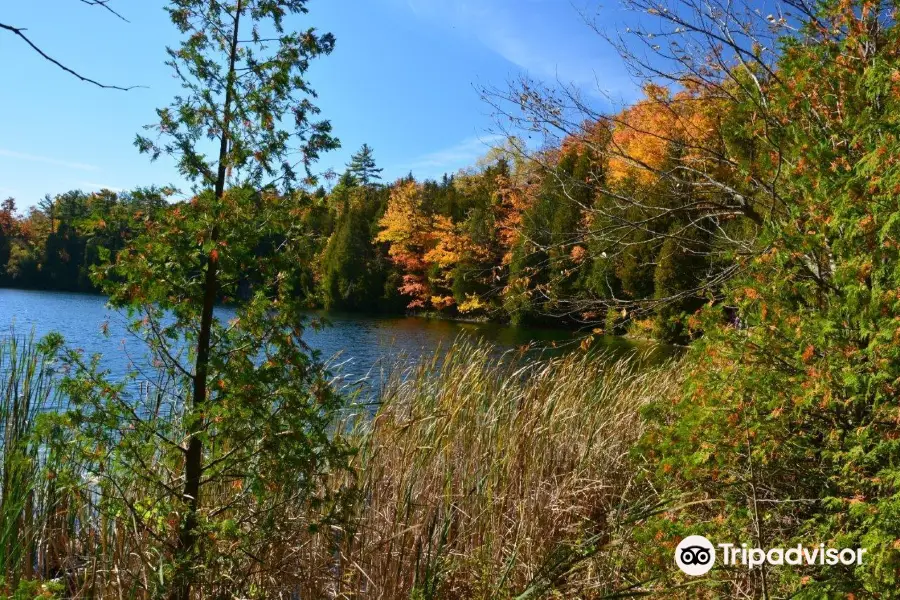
796,399
48,206
362,166
7,232
408,230
762,182
346,265
683,153
255,410
347,273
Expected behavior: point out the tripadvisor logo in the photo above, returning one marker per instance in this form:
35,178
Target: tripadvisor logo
696,555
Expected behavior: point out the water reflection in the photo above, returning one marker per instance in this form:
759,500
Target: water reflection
357,346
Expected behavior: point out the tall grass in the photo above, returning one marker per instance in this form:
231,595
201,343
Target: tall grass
484,477
26,391
479,476
54,540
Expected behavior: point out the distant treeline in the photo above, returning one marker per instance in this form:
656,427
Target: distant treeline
509,239
55,245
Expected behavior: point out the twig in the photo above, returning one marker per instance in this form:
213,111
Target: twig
104,4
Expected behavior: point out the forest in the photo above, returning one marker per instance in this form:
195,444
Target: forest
509,239
745,205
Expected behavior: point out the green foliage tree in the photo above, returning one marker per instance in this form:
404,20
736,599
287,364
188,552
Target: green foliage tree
254,409
680,271
551,230
347,277
786,433
57,243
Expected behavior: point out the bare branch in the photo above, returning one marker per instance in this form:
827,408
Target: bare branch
105,4
19,31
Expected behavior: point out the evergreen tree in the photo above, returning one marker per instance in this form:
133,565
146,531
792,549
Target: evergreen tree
362,166
346,275
254,408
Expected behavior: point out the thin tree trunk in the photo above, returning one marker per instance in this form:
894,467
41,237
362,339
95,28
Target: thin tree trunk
193,464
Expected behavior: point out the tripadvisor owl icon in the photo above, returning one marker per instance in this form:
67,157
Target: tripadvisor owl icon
695,555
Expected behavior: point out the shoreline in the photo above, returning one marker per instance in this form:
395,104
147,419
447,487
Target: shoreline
424,315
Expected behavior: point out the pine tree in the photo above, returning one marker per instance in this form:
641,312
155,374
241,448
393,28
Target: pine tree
346,274
362,166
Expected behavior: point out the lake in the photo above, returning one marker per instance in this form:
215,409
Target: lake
355,342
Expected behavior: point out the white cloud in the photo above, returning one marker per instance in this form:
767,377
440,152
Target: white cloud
559,48
460,155
47,160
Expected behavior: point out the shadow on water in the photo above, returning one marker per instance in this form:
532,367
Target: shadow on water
357,347
365,350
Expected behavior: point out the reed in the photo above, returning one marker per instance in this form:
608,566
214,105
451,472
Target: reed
55,538
26,391
493,477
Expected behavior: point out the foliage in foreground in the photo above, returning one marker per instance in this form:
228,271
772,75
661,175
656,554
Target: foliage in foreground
89,501
480,476
25,391
787,433
253,409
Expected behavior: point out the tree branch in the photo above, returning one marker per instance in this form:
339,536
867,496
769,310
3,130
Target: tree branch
104,4
19,32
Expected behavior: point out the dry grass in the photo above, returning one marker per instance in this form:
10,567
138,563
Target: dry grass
486,480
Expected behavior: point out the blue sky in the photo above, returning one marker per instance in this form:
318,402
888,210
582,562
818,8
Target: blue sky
403,78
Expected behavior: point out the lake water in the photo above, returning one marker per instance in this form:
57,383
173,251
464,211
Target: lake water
354,342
